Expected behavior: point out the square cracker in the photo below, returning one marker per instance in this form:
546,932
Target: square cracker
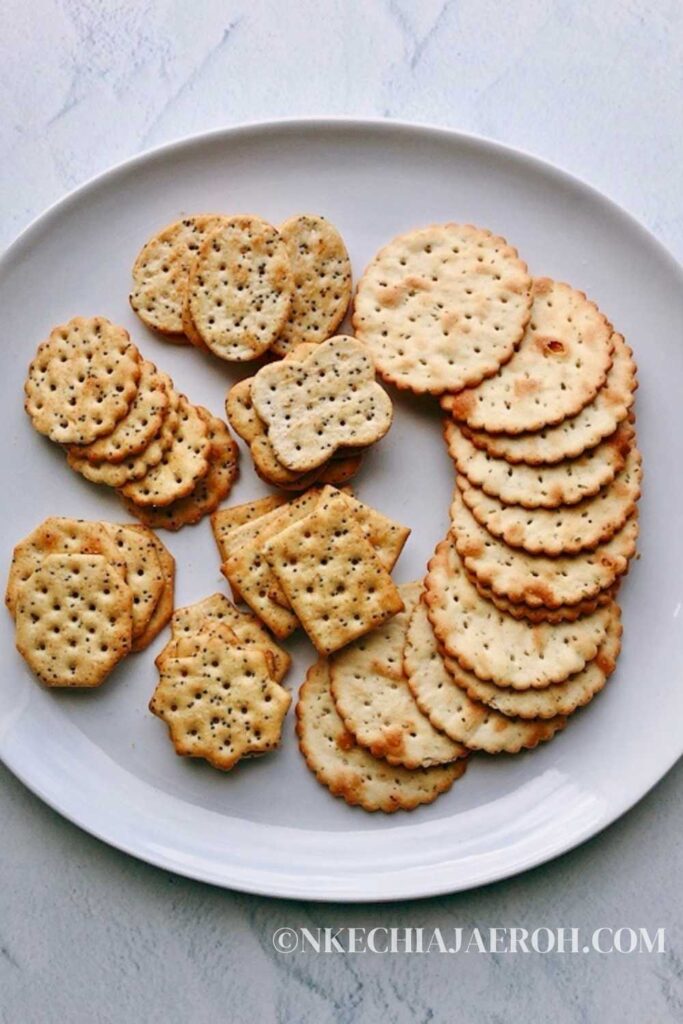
225,520
332,576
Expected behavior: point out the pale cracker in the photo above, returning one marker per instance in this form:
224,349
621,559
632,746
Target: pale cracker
558,699
445,700
161,271
331,575
245,626
576,434
563,483
330,399
164,608
185,462
349,770
143,572
540,579
57,535
539,613
82,380
209,490
240,288
559,367
225,520
221,703
321,273
442,307
139,426
73,618
377,706
496,646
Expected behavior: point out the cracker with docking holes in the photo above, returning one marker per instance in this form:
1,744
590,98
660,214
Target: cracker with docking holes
221,703
82,380
495,646
373,699
161,271
539,613
314,407
185,462
225,520
191,643
73,620
442,307
331,574
240,289
246,627
557,699
575,434
564,530
208,492
563,483
321,272
58,535
559,367
446,701
350,771
143,572
139,426
164,607
540,580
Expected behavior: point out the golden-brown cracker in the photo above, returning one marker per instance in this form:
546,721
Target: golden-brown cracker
73,620
539,613
82,380
164,608
442,307
313,407
240,288
559,367
321,272
221,703
143,572
446,701
225,520
349,770
495,646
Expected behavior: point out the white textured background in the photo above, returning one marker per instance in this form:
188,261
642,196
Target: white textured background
89,935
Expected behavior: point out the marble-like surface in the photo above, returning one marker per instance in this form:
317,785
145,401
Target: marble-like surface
88,934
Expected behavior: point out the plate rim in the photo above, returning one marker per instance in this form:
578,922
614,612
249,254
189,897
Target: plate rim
262,885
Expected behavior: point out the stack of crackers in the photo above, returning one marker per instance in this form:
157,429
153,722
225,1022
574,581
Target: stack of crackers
123,424
310,417
219,688
238,287
85,594
322,561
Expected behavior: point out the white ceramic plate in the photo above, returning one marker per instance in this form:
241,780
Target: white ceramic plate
102,760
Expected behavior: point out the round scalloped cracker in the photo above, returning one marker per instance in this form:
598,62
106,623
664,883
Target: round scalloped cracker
209,490
576,434
325,402
539,613
445,700
182,465
349,770
161,271
557,699
495,646
540,580
73,620
221,703
164,608
117,474
82,380
240,289
560,365
372,696
321,273
564,483
143,572
442,307
58,535
564,530
139,426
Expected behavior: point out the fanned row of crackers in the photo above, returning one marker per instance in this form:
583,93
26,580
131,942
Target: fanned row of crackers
123,424
237,286
85,594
